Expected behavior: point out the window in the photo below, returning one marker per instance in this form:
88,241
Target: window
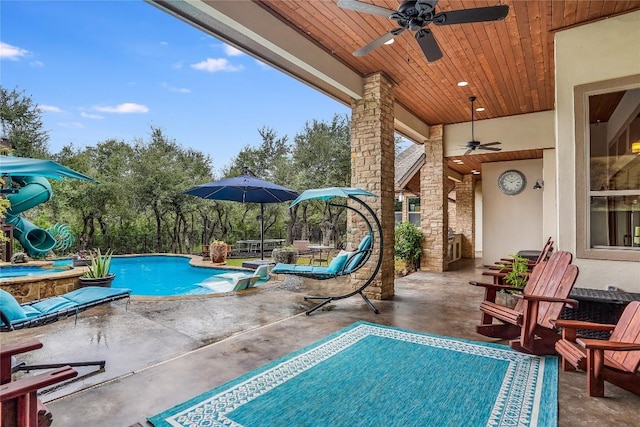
608,177
414,210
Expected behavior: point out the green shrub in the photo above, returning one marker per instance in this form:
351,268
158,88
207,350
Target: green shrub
408,244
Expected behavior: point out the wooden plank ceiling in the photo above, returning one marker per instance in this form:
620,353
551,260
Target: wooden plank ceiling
508,64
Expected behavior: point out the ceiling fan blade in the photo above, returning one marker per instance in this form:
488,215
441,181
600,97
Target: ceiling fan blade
466,153
378,42
359,6
490,148
478,14
491,143
429,45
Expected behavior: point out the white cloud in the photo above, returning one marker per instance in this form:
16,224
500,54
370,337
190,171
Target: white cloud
73,125
126,108
91,116
232,51
212,65
37,64
12,52
175,89
49,109
164,43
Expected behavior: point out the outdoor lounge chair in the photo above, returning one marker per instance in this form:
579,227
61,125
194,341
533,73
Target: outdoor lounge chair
542,300
615,360
344,263
262,272
17,316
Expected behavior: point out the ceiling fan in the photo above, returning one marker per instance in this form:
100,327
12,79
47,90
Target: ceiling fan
416,15
476,145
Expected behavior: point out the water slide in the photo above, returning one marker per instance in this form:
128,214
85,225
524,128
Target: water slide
33,191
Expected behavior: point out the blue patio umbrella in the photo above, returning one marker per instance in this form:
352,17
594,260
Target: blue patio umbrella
245,189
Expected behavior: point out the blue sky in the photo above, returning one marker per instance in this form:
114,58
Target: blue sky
113,69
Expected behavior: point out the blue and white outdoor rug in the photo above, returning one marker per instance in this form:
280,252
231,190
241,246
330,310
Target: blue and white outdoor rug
373,375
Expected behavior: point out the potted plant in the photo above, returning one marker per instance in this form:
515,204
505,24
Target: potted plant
218,251
98,272
285,255
516,276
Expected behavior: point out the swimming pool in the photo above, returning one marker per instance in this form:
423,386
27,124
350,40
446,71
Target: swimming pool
162,275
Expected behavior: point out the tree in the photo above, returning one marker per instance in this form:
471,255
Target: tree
322,157
21,124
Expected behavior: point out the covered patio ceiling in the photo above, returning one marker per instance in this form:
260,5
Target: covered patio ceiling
508,64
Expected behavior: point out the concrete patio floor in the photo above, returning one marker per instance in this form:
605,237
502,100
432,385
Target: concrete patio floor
161,352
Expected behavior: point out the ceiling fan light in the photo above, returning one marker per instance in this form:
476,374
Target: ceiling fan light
462,84
388,42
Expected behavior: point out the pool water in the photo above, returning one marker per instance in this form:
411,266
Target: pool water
159,275
27,270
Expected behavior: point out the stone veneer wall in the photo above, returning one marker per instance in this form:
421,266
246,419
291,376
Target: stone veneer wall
434,204
34,288
465,215
373,169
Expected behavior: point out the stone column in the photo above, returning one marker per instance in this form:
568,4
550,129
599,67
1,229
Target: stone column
434,209
372,169
465,215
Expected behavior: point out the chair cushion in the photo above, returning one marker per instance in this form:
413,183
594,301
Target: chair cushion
365,243
53,304
337,264
10,306
90,294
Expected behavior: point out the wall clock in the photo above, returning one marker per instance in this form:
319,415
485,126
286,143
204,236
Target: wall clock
512,182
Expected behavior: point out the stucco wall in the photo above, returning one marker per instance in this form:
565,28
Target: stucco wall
511,223
600,51
521,132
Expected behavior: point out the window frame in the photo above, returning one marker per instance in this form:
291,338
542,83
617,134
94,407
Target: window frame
583,190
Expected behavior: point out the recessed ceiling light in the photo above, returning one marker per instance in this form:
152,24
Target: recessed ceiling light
462,84
389,42
475,172
480,109
458,161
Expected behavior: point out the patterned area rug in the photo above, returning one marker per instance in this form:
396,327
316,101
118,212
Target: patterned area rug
373,375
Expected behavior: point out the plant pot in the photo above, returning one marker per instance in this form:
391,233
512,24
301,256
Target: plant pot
218,253
506,299
105,282
285,256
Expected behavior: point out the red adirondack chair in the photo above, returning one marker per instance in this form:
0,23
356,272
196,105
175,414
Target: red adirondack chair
615,360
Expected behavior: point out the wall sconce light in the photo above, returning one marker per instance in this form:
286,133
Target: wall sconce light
401,197
635,147
539,185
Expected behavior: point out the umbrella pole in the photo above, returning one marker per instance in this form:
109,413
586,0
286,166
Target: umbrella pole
262,231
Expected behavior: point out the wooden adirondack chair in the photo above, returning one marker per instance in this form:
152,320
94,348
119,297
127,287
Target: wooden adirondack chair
501,268
19,403
615,360
542,301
